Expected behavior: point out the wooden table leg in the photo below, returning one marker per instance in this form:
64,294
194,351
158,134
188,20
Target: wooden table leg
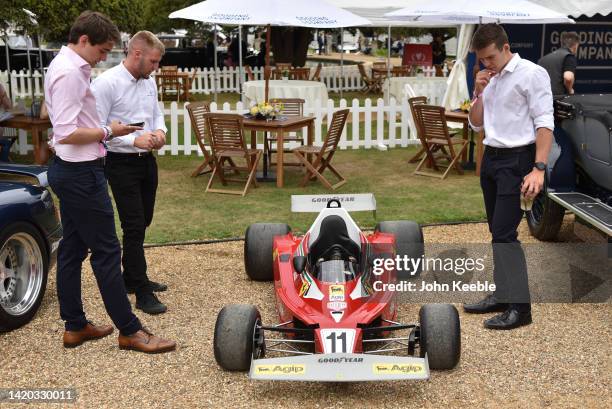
479,151
466,136
310,139
253,139
41,147
280,147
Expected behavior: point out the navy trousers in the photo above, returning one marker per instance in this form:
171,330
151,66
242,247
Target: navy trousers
501,176
88,222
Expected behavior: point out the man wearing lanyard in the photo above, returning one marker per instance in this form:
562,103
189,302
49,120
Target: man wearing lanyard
77,178
513,102
127,93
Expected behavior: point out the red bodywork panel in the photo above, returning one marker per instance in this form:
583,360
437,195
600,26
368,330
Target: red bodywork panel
357,312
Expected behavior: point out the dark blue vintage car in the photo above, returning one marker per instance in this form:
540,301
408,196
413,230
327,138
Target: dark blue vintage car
30,232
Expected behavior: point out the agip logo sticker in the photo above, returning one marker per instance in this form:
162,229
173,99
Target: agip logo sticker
399,369
287,369
336,293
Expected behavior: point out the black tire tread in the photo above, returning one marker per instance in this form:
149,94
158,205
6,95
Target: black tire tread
233,338
258,242
440,335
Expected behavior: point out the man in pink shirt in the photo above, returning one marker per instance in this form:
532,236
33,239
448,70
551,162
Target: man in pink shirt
77,178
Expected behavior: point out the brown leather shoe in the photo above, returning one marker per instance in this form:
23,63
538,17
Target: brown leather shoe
145,341
75,338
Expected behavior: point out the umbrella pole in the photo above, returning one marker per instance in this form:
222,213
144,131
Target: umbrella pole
389,62
267,67
29,66
8,68
240,58
40,59
341,61
215,62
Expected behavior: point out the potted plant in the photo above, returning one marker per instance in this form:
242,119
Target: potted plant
285,75
266,111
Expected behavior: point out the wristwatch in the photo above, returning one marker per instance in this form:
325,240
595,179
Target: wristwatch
540,166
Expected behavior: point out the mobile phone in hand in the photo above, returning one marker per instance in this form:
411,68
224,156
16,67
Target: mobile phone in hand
140,124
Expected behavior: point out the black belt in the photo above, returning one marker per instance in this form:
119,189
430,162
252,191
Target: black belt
129,154
490,150
91,163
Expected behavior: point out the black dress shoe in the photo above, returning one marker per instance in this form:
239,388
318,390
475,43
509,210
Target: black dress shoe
488,304
152,285
149,303
509,319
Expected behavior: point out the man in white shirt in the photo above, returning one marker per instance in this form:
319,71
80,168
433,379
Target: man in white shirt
513,102
128,93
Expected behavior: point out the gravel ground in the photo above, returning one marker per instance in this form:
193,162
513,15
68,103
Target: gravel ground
562,360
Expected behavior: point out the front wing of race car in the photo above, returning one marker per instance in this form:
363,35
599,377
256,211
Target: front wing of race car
340,368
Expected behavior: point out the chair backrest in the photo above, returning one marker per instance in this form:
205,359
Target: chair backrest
433,122
402,71
249,73
291,106
299,74
334,132
169,68
413,102
317,74
283,66
170,79
199,124
362,72
226,132
379,64
277,74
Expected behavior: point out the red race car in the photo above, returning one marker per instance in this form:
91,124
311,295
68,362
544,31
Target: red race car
337,317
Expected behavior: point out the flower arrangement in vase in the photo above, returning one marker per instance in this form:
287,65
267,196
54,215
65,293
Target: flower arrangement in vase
267,111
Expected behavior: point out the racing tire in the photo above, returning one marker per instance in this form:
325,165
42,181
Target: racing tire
234,338
545,218
408,242
440,335
23,278
258,242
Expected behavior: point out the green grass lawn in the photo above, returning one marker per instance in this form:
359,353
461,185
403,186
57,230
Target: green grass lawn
185,212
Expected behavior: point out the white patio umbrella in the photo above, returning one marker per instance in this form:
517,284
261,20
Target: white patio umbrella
479,12
474,12
297,13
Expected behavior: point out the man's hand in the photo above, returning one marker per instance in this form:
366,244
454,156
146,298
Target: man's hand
482,80
159,139
145,141
120,129
532,183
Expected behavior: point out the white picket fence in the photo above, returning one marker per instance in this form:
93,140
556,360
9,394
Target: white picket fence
228,79
393,122
392,125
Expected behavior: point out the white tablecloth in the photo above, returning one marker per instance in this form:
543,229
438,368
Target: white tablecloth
309,91
431,87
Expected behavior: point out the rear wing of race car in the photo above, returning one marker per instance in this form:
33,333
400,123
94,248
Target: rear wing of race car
352,202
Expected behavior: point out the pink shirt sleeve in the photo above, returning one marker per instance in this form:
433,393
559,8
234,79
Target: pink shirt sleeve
68,90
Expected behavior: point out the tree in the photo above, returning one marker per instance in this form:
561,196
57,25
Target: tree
55,17
290,44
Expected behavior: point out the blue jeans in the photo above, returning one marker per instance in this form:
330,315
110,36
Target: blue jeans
88,222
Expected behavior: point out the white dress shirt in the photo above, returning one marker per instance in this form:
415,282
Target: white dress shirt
121,97
517,101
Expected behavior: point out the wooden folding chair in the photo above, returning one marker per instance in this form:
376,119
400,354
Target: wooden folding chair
282,66
302,74
170,82
227,143
291,107
199,124
317,74
249,73
434,131
370,85
324,154
412,102
401,71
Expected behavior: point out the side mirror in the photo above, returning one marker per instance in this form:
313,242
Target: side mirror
299,263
